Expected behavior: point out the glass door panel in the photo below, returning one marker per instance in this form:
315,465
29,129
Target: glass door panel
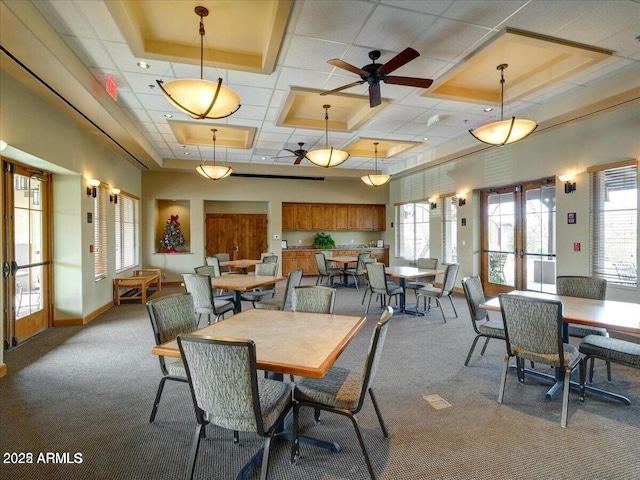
540,239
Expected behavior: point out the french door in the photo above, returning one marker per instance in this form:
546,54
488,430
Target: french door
519,238
26,252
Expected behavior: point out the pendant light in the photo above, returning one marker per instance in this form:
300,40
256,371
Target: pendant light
201,98
504,131
329,156
376,178
214,172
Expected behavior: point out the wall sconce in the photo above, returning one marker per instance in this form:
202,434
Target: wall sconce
569,184
461,199
433,202
92,190
114,195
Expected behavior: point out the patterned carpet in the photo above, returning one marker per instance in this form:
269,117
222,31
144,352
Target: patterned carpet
89,390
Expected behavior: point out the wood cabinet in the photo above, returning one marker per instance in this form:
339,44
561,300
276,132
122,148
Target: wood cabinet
327,217
306,260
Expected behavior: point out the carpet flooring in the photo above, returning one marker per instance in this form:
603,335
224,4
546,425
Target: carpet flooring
89,390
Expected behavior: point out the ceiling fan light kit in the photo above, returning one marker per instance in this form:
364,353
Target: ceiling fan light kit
201,98
504,132
328,156
376,179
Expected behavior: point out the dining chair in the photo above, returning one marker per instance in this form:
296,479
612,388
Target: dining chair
204,300
584,287
343,391
224,257
533,331
313,299
608,349
170,316
212,268
359,270
423,263
227,392
253,296
379,285
482,324
324,270
429,292
282,302
367,261
268,258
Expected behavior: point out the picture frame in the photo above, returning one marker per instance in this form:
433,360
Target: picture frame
283,245
571,218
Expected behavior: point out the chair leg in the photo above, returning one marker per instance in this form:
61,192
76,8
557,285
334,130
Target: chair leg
236,437
583,378
295,442
591,370
565,397
354,420
441,309
316,415
193,453
378,413
473,345
485,346
503,381
453,306
608,371
265,458
156,402
369,304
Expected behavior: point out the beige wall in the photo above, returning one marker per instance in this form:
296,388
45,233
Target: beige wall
599,140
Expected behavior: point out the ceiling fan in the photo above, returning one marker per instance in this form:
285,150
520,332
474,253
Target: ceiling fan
298,154
376,72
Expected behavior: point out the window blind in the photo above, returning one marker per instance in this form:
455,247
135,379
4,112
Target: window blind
614,220
100,234
127,232
412,232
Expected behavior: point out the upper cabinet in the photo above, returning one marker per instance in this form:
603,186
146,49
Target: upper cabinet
316,217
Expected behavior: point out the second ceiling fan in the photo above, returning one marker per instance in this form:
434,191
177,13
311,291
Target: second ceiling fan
374,73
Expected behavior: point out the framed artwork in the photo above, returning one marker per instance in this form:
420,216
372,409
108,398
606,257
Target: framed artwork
571,218
284,245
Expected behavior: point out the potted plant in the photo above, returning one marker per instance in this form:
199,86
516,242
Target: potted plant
323,241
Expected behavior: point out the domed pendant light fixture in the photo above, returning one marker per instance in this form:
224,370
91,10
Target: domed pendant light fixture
375,179
201,98
214,172
329,156
504,131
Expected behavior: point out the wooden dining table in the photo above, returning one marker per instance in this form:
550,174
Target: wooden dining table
412,273
243,264
242,283
287,343
609,314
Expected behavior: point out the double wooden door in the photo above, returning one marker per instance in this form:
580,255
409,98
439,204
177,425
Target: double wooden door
239,235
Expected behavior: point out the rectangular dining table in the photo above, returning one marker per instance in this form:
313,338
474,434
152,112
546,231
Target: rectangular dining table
243,264
404,273
243,283
287,343
609,314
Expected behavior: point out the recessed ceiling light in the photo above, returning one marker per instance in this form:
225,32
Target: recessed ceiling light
186,153
168,115
488,109
425,139
144,65
264,158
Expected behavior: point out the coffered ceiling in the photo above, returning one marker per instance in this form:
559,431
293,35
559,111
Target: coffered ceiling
274,55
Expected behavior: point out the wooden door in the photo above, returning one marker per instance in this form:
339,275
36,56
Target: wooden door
239,235
316,217
302,217
353,218
288,217
365,214
329,222
342,214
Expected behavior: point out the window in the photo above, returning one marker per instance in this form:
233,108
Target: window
450,230
100,234
127,232
614,203
412,237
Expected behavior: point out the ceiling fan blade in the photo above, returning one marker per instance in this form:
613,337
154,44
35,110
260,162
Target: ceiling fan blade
336,62
289,150
374,95
298,160
344,87
399,60
284,156
409,81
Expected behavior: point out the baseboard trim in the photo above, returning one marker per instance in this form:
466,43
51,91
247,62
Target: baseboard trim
71,322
